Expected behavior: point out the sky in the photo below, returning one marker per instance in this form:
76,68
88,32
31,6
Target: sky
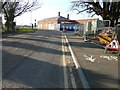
50,8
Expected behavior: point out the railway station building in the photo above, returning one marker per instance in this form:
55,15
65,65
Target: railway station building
62,23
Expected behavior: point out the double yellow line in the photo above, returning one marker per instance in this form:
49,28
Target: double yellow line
64,64
82,77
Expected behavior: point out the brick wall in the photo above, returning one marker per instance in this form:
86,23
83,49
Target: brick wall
45,24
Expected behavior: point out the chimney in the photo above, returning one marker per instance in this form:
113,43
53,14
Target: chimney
58,14
67,16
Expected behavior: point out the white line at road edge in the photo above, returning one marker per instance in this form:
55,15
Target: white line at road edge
70,69
78,67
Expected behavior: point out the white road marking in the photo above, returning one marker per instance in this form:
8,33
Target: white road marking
78,67
70,69
90,58
109,57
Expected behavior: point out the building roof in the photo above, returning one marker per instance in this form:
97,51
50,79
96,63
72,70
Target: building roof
82,21
55,18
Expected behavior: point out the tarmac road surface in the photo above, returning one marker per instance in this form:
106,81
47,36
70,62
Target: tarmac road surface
32,60
35,60
100,69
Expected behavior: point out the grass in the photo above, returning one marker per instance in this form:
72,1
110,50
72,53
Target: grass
26,30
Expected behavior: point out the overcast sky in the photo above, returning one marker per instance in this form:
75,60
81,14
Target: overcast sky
50,8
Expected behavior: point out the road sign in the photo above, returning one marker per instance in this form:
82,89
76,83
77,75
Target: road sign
113,45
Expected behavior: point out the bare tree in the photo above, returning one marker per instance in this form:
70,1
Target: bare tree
16,8
108,10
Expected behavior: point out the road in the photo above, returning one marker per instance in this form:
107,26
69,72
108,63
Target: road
43,60
100,69
33,60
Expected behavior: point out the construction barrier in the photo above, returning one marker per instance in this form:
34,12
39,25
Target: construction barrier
104,39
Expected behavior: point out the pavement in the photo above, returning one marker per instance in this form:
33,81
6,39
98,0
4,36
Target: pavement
100,69
32,60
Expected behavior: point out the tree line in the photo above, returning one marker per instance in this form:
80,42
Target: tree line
107,9
16,8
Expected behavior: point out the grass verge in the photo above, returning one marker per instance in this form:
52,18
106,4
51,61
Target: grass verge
26,30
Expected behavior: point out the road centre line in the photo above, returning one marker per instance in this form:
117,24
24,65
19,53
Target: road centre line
78,67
